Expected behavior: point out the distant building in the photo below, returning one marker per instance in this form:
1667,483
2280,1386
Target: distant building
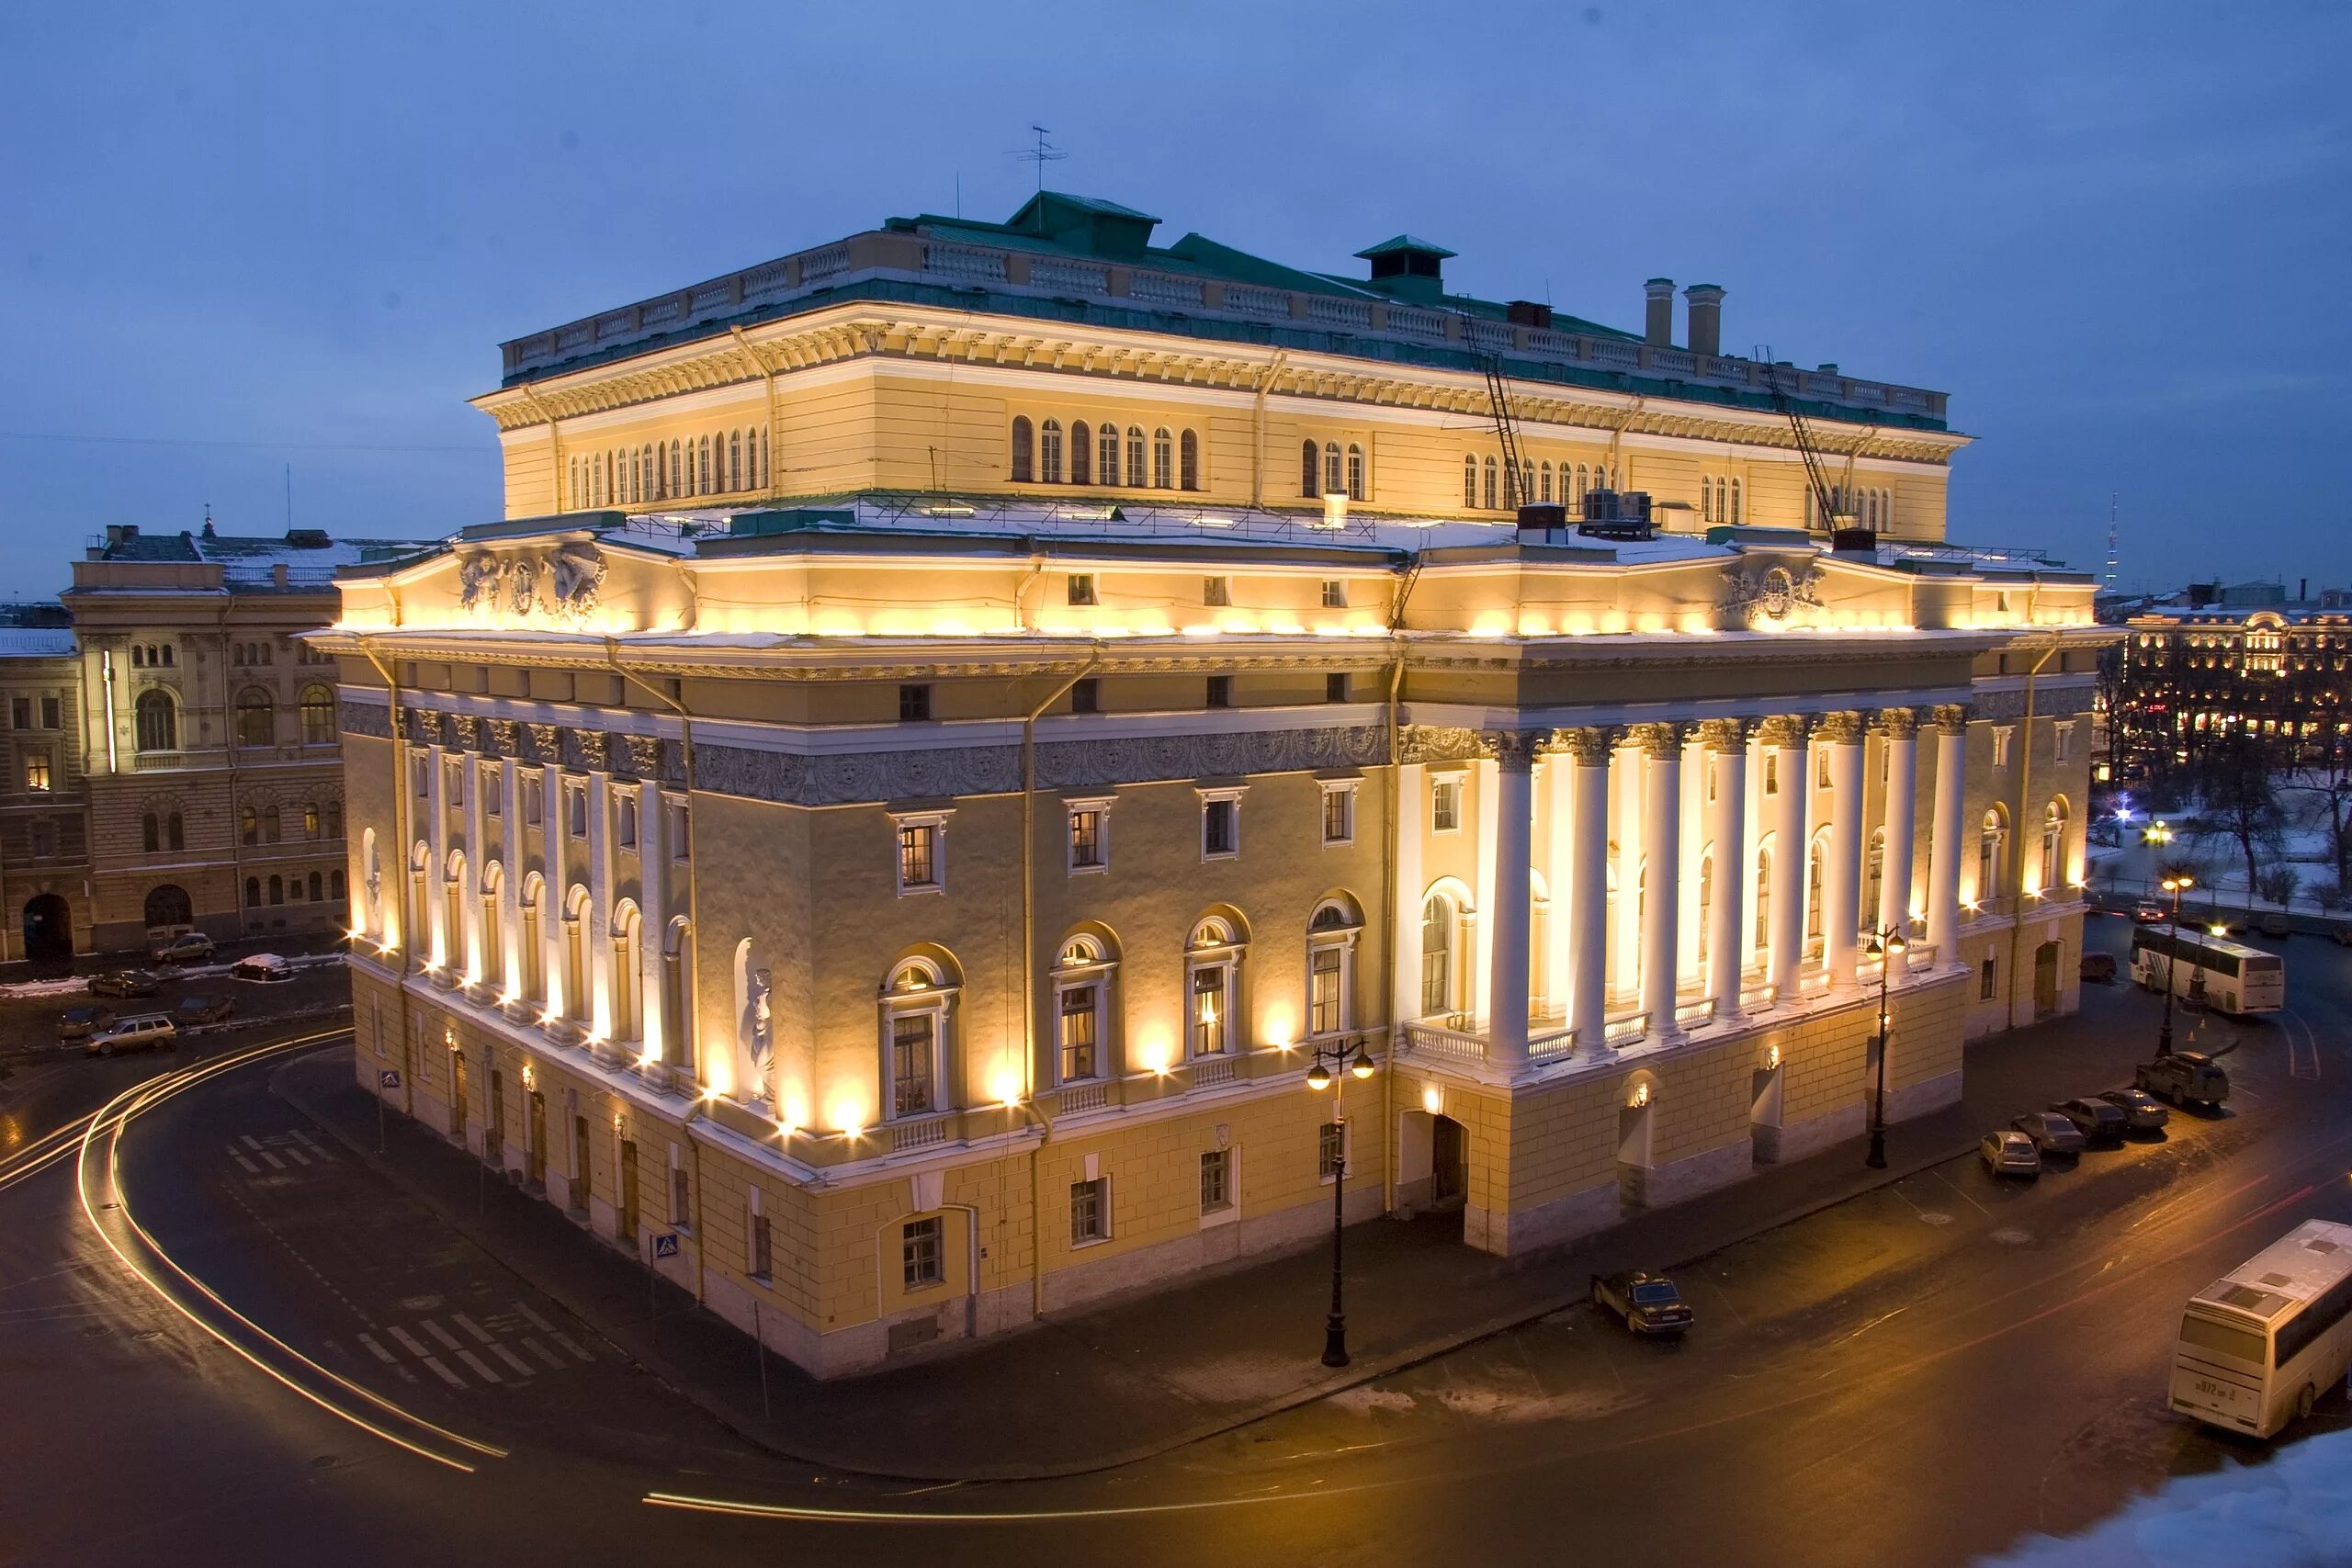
2213,656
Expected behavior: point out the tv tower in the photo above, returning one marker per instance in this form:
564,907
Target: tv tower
2110,541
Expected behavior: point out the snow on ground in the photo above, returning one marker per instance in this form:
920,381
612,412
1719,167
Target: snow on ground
2294,1512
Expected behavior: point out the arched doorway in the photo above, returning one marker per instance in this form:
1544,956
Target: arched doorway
49,929
2045,980
169,906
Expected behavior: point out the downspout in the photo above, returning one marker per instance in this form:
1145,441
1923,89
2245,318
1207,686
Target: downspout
1029,976
2017,843
400,850
694,1153
1258,428
1388,902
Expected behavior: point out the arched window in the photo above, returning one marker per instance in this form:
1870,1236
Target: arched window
704,480
156,722
310,820
335,886
629,980
1107,453
1331,935
649,476
575,954
252,892
151,832
256,718
334,819
1082,974
1441,924
1025,461
1469,481
1706,902
1814,862
1735,500
318,716
174,832
1763,898
1049,452
1081,453
677,1014
278,891
1188,461
138,656
1334,479
318,888
1212,984
1356,489
677,470
1310,471
1544,481
1136,458
2053,845
1164,460
270,825
248,826
1490,484
734,470
917,1003
1992,855
1873,880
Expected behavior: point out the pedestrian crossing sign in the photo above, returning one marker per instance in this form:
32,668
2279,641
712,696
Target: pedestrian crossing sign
390,1077
665,1243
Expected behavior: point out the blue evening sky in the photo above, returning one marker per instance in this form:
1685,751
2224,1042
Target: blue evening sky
241,238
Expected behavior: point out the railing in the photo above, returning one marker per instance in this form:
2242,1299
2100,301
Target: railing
1488,335
1554,1045
1075,278
964,261
1339,312
1254,301
1210,1071
1420,323
1759,997
157,762
1079,1097
1450,1044
824,263
1626,1029
1694,1015
1161,288
920,1132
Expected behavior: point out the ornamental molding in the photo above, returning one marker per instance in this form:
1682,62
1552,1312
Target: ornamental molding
365,719
561,587
544,742
1438,743
639,756
1726,733
504,736
1591,746
1783,730
1661,740
1758,594
1515,750
1897,723
1840,729
2057,702
1950,719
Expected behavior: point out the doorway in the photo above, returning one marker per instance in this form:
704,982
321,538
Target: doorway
48,930
1764,1114
1449,1165
624,1225
580,1146
458,1094
2045,980
535,1142
494,1134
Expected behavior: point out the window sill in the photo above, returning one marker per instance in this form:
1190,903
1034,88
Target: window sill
1339,844
765,1281
1207,856
1089,1241
1095,869
922,887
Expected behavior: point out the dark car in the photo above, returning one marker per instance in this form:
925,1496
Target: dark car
80,1023
2100,1122
2148,914
123,982
2053,1132
2343,935
2098,969
202,1010
1648,1302
2185,1077
2143,1111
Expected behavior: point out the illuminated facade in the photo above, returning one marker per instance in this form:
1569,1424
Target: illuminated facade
2184,672
909,867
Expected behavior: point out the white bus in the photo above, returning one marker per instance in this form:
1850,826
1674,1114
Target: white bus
2260,1343
2211,970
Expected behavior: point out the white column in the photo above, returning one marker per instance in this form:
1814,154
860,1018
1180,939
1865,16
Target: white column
1944,849
1559,861
442,946
510,884
1588,890
1841,875
1625,826
1661,896
555,839
1791,774
1691,825
652,870
1902,737
468,957
1507,917
595,930
1480,782
1727,760
1412,815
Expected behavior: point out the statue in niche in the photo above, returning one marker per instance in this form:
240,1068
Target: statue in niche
760,1035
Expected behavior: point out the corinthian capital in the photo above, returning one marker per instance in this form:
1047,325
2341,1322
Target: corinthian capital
1589,746
1841,729
1782,729
1950,718
1660,739
1724,734
1897,722
1515,750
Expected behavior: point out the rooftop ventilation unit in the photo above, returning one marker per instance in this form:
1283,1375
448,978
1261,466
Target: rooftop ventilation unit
1617,514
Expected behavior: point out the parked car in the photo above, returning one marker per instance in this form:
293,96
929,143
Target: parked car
2006,1152
2343,935
2148,914
184,947
202,1010
80,1023
267,967
2100,1122
1648,1304
2274,924
2098,969
2053,1132
136,1031
2185,1077
2143,1110
123,982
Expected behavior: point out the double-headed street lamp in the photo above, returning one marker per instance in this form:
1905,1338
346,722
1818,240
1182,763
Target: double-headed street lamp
2176,885
1320,1077
1884,946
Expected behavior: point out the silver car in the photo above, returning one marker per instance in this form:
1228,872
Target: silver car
2009,1153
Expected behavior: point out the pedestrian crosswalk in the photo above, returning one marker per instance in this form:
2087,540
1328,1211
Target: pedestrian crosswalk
278,1152
497,1348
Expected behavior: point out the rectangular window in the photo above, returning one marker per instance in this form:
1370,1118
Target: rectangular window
50,714
1331,1151
680,829
1326,1011
1081,588
922,1261
1985,983
1335,687
44,840
2062,743
681,1198
625,826
20,713
492,805
1218,834
1086,696
457,784
914,703
1771,772
1335,594
762,1253
1090,1212
2001,734
1338,816
1217,591
918,856
1216,1171
1086,840
575,810
1821,768
1209,1010
912,1038
1220,691
534,796
1445,806
36,770
1078,1033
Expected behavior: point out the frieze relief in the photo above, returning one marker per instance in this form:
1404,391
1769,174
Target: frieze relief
565,586
2050,702
1438,743
365,718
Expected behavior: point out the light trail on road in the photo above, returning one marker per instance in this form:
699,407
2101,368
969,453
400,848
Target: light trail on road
107,1123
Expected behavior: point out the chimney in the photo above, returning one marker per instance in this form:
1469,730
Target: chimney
1657,326
1706,318
2302,589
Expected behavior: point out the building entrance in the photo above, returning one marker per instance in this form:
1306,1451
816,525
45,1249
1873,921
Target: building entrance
48,930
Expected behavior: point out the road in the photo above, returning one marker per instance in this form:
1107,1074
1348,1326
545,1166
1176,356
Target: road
1919,1376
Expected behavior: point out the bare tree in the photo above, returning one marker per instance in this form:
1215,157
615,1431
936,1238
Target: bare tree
2236,775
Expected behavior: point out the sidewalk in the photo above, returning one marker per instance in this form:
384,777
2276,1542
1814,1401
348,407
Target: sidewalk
1131,1379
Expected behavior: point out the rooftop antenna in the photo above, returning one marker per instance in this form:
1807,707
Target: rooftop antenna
2110,540
1042,153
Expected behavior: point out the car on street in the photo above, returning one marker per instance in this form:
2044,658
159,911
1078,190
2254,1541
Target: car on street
2008,1152
134,1031
80,1023
123,982
2053,1132
265,967
2185,1077
2148,914
2343,935
2273,923
1648,1304
2141,1110
193,1010
182,947
2100,1122
2098,969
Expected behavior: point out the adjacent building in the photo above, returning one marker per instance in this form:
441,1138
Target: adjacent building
2214,657
960,719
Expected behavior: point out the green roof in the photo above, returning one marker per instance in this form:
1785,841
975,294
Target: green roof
1405,243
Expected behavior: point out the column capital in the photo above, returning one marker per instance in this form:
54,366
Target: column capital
1950,718
1590,747
1660,739
1726,733
1514,749
466,731
1841,729
503,735
545,741
641,756
1898,722
1782,729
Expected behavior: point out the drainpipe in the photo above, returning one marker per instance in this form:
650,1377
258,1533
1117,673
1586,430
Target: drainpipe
694,1153
691,1003
1388,902
1029,976
400,850
1258,428
2016,841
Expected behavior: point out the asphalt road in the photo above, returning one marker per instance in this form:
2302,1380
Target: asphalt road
1919,1376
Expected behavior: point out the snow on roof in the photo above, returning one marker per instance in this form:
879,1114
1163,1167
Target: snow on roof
36,642
250,562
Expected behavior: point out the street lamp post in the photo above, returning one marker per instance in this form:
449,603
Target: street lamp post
2176,885
1884,946
2155,836
1318,1078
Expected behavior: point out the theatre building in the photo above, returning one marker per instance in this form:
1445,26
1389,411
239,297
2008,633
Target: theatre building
959,721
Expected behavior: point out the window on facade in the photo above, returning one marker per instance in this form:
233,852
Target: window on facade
1135,458
1024,469
762,1258
1078,1031
1211,1012
151,832
1164,460
1987,987
1335,687
1090,1211
1221,833
1338,816
1217,591
1328,942
1220,691
42,835
1081,588
624,823
254,717
1813,890
1445,806
534,800
1088,851
20,713
1490,484
156,723
272,827
1335,594
1439,924
1991,854
252,893
1333,483
52,715
681,826
1469,482
1049,452
1356,486
1763,897
278,891
1082,454
918,856
1873,880
2062,743
922,1261
2053,845
914,1052
311,821
575,810
318,716
36,770
1216,1181
1086,695
1106,455
914,703
248,826
1188,461
1330,1151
